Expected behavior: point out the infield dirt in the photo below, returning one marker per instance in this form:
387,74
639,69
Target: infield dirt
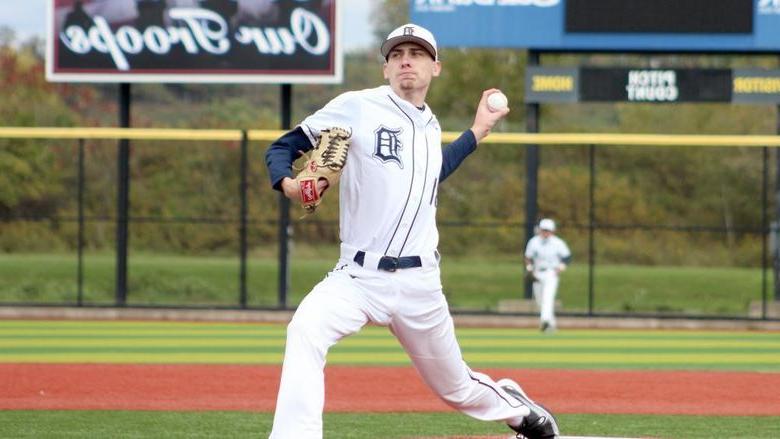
37,386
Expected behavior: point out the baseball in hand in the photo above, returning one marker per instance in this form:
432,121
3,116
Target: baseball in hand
497,101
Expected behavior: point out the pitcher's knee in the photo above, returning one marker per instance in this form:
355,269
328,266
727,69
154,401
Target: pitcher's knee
302,326
457,398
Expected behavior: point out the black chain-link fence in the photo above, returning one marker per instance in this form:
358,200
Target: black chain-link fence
651,235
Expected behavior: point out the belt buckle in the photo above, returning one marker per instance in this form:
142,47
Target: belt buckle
388,263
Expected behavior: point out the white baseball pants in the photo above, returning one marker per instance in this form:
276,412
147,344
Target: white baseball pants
545,288
411,303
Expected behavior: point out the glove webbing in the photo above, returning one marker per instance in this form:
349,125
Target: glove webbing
330,156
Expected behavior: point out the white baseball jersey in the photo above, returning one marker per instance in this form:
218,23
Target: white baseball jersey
546,253
388,186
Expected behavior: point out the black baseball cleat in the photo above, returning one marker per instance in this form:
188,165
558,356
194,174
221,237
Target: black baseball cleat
540,423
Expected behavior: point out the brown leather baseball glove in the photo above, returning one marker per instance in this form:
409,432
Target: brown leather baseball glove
326,161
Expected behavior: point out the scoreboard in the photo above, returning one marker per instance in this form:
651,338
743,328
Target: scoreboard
734,26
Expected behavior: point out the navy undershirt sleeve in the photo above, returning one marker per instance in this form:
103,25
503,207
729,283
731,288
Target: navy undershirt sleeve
454,153
280,156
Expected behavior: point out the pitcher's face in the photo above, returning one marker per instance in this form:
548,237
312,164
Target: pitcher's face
410,67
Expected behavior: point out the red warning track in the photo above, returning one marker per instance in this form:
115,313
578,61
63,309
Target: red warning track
376,389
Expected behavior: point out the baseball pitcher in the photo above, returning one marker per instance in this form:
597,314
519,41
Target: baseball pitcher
388,271
546,256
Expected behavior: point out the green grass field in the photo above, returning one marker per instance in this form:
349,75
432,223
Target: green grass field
174,342
470,283
220,343
125,424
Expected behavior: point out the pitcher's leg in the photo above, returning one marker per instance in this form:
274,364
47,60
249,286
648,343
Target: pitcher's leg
428,336
329,313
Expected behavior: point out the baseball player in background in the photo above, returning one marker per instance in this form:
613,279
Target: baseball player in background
546,256
388,271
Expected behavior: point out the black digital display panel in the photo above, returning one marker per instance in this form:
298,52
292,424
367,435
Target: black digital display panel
642,85
655,85
660,16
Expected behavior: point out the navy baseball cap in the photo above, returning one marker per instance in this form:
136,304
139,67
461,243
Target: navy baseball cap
411,33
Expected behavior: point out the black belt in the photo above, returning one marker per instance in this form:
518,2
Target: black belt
390,263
